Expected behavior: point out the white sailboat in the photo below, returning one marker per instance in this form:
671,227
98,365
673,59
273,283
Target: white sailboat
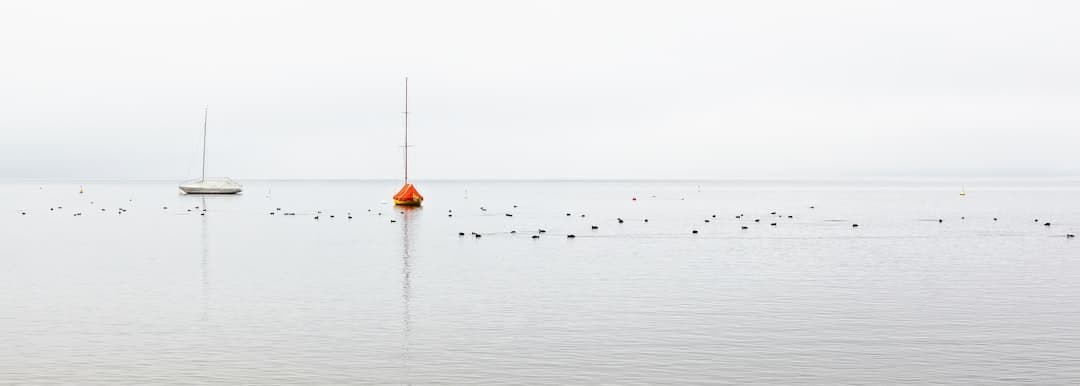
221,185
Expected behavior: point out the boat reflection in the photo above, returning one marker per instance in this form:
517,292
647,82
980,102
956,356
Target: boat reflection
205,264
408,214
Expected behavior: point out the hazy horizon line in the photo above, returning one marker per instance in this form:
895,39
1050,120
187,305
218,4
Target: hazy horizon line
954,178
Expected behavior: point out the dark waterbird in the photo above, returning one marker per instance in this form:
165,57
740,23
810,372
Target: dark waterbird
570,236
745,227
535,236
694,231
594,227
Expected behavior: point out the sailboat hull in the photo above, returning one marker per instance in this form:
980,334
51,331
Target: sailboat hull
408,196
189,190
224,186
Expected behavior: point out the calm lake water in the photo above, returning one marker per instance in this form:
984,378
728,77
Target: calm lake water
239,296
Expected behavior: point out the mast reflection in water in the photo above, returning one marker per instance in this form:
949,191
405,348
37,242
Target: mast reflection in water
407,214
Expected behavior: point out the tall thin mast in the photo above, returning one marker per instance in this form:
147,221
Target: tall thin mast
406,129
206,111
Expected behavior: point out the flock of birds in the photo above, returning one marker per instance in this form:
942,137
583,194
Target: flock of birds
709,219
202,211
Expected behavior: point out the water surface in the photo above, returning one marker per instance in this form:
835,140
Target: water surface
239,296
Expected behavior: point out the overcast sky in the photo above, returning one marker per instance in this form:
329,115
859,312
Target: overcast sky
545,89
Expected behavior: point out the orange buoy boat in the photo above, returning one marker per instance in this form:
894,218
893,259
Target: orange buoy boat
408,195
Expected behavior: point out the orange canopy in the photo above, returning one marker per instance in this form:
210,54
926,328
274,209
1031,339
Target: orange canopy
408,193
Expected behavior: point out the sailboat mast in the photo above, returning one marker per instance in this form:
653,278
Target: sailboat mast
206,111
406,129
407,196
